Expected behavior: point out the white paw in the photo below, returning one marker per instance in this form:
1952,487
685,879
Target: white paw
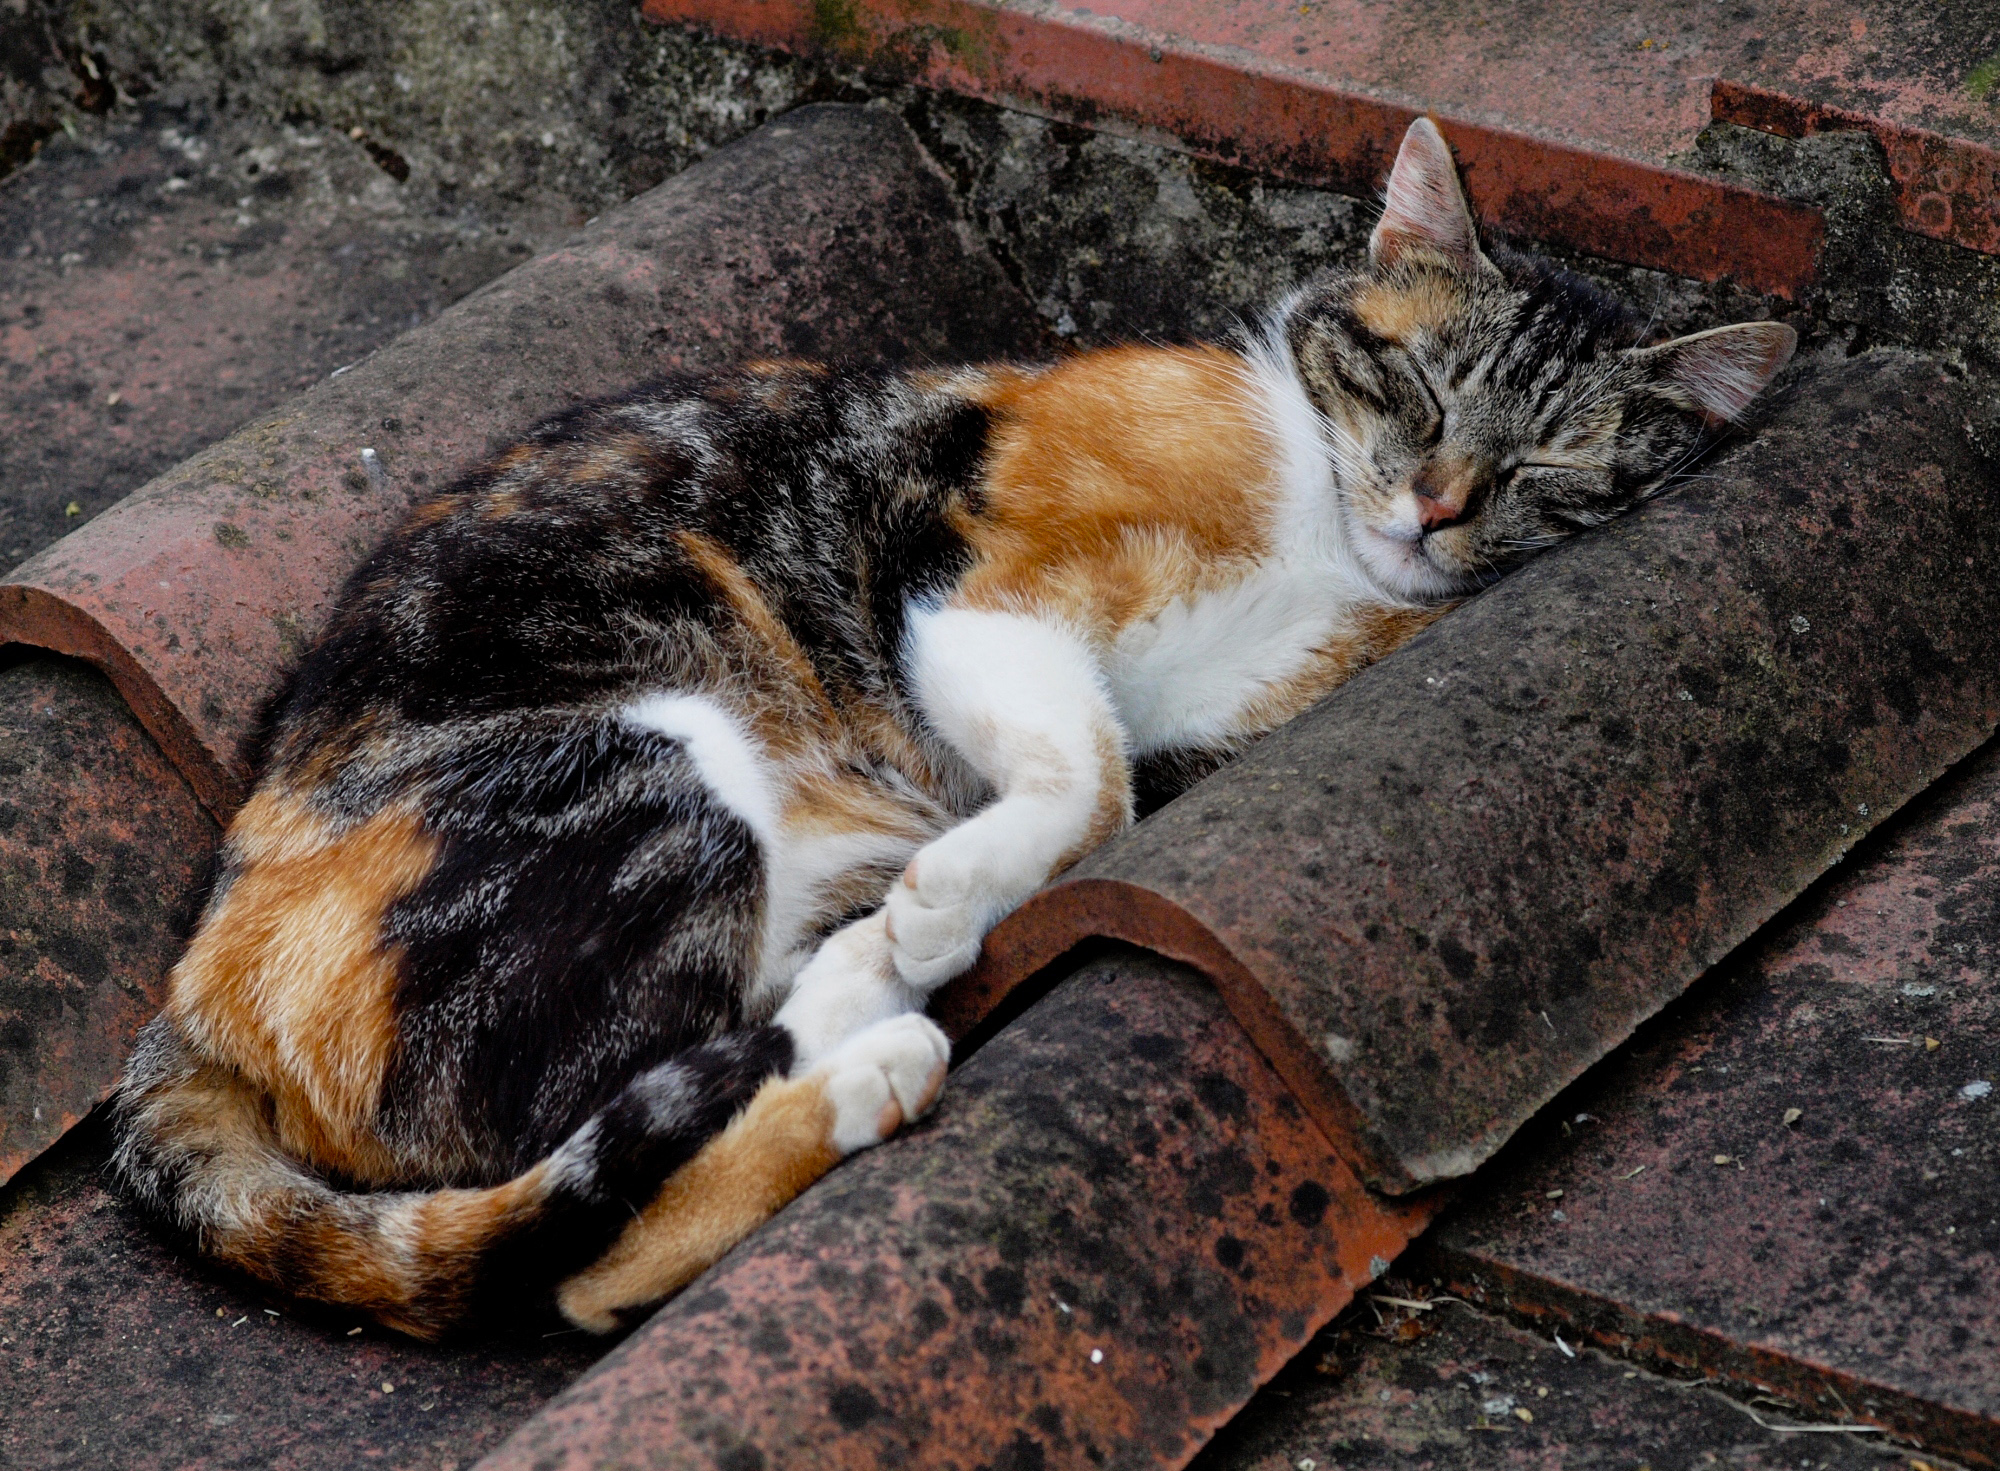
939,913
883,1078
846,987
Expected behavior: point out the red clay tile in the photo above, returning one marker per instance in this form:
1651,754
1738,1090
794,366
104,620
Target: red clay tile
826,233
101,847
1845,1250
118,1349
1117,1225
1634,77
171,274
1389,1388
1442,895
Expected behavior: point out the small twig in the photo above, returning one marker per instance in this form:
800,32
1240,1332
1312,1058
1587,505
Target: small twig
1414,1304
1802,1429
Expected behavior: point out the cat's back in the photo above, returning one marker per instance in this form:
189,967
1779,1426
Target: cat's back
812,501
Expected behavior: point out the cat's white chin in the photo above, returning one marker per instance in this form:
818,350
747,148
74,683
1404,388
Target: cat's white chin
1404,568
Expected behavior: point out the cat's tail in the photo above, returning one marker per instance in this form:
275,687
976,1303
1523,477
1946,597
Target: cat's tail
195,1145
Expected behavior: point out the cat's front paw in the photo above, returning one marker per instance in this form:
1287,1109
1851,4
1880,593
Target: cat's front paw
940,912
882,1078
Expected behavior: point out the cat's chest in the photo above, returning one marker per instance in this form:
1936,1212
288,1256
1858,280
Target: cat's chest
1187,675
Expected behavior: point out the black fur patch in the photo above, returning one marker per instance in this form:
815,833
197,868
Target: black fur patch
633,1145
594,911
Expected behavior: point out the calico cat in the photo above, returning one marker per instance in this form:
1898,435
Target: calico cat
643,785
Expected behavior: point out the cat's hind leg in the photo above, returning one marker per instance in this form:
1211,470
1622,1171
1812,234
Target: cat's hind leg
793,1131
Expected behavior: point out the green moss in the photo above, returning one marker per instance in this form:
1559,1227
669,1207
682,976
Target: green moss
836,25
1981,79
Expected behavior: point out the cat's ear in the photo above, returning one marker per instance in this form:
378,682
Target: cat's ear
1426,208
1719,371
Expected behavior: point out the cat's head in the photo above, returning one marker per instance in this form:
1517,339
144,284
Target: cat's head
1480,406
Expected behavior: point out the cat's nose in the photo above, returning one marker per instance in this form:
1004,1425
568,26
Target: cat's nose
1443,487
1434,514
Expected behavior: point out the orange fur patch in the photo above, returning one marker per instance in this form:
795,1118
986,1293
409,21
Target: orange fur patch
785,368
1116,482
784,701
1113,813
501,502
410,1262
1400,311
288,981
776,1147
430,512
819,803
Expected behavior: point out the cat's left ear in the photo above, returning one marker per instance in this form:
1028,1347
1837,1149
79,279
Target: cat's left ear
1719,371
1425,209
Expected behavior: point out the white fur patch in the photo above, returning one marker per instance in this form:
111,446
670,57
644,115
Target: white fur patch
849,985
1022,700
882,1078
798,868
733,767
729,762
1012,693
573,1163
1185,675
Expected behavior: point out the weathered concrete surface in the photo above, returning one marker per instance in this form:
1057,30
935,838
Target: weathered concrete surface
1944,187
176,270
1096,220
1227,101
549,105
1389,1388
828,233
1469,874
1318,93
118,1350
102,846
1845,1071
1879,283
1114,239
1117,1224
37,84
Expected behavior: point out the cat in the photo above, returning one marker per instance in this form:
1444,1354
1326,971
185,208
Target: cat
642,786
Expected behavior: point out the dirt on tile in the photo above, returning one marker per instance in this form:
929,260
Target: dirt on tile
1449,1388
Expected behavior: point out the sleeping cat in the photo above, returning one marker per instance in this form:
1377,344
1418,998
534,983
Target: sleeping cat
642,786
